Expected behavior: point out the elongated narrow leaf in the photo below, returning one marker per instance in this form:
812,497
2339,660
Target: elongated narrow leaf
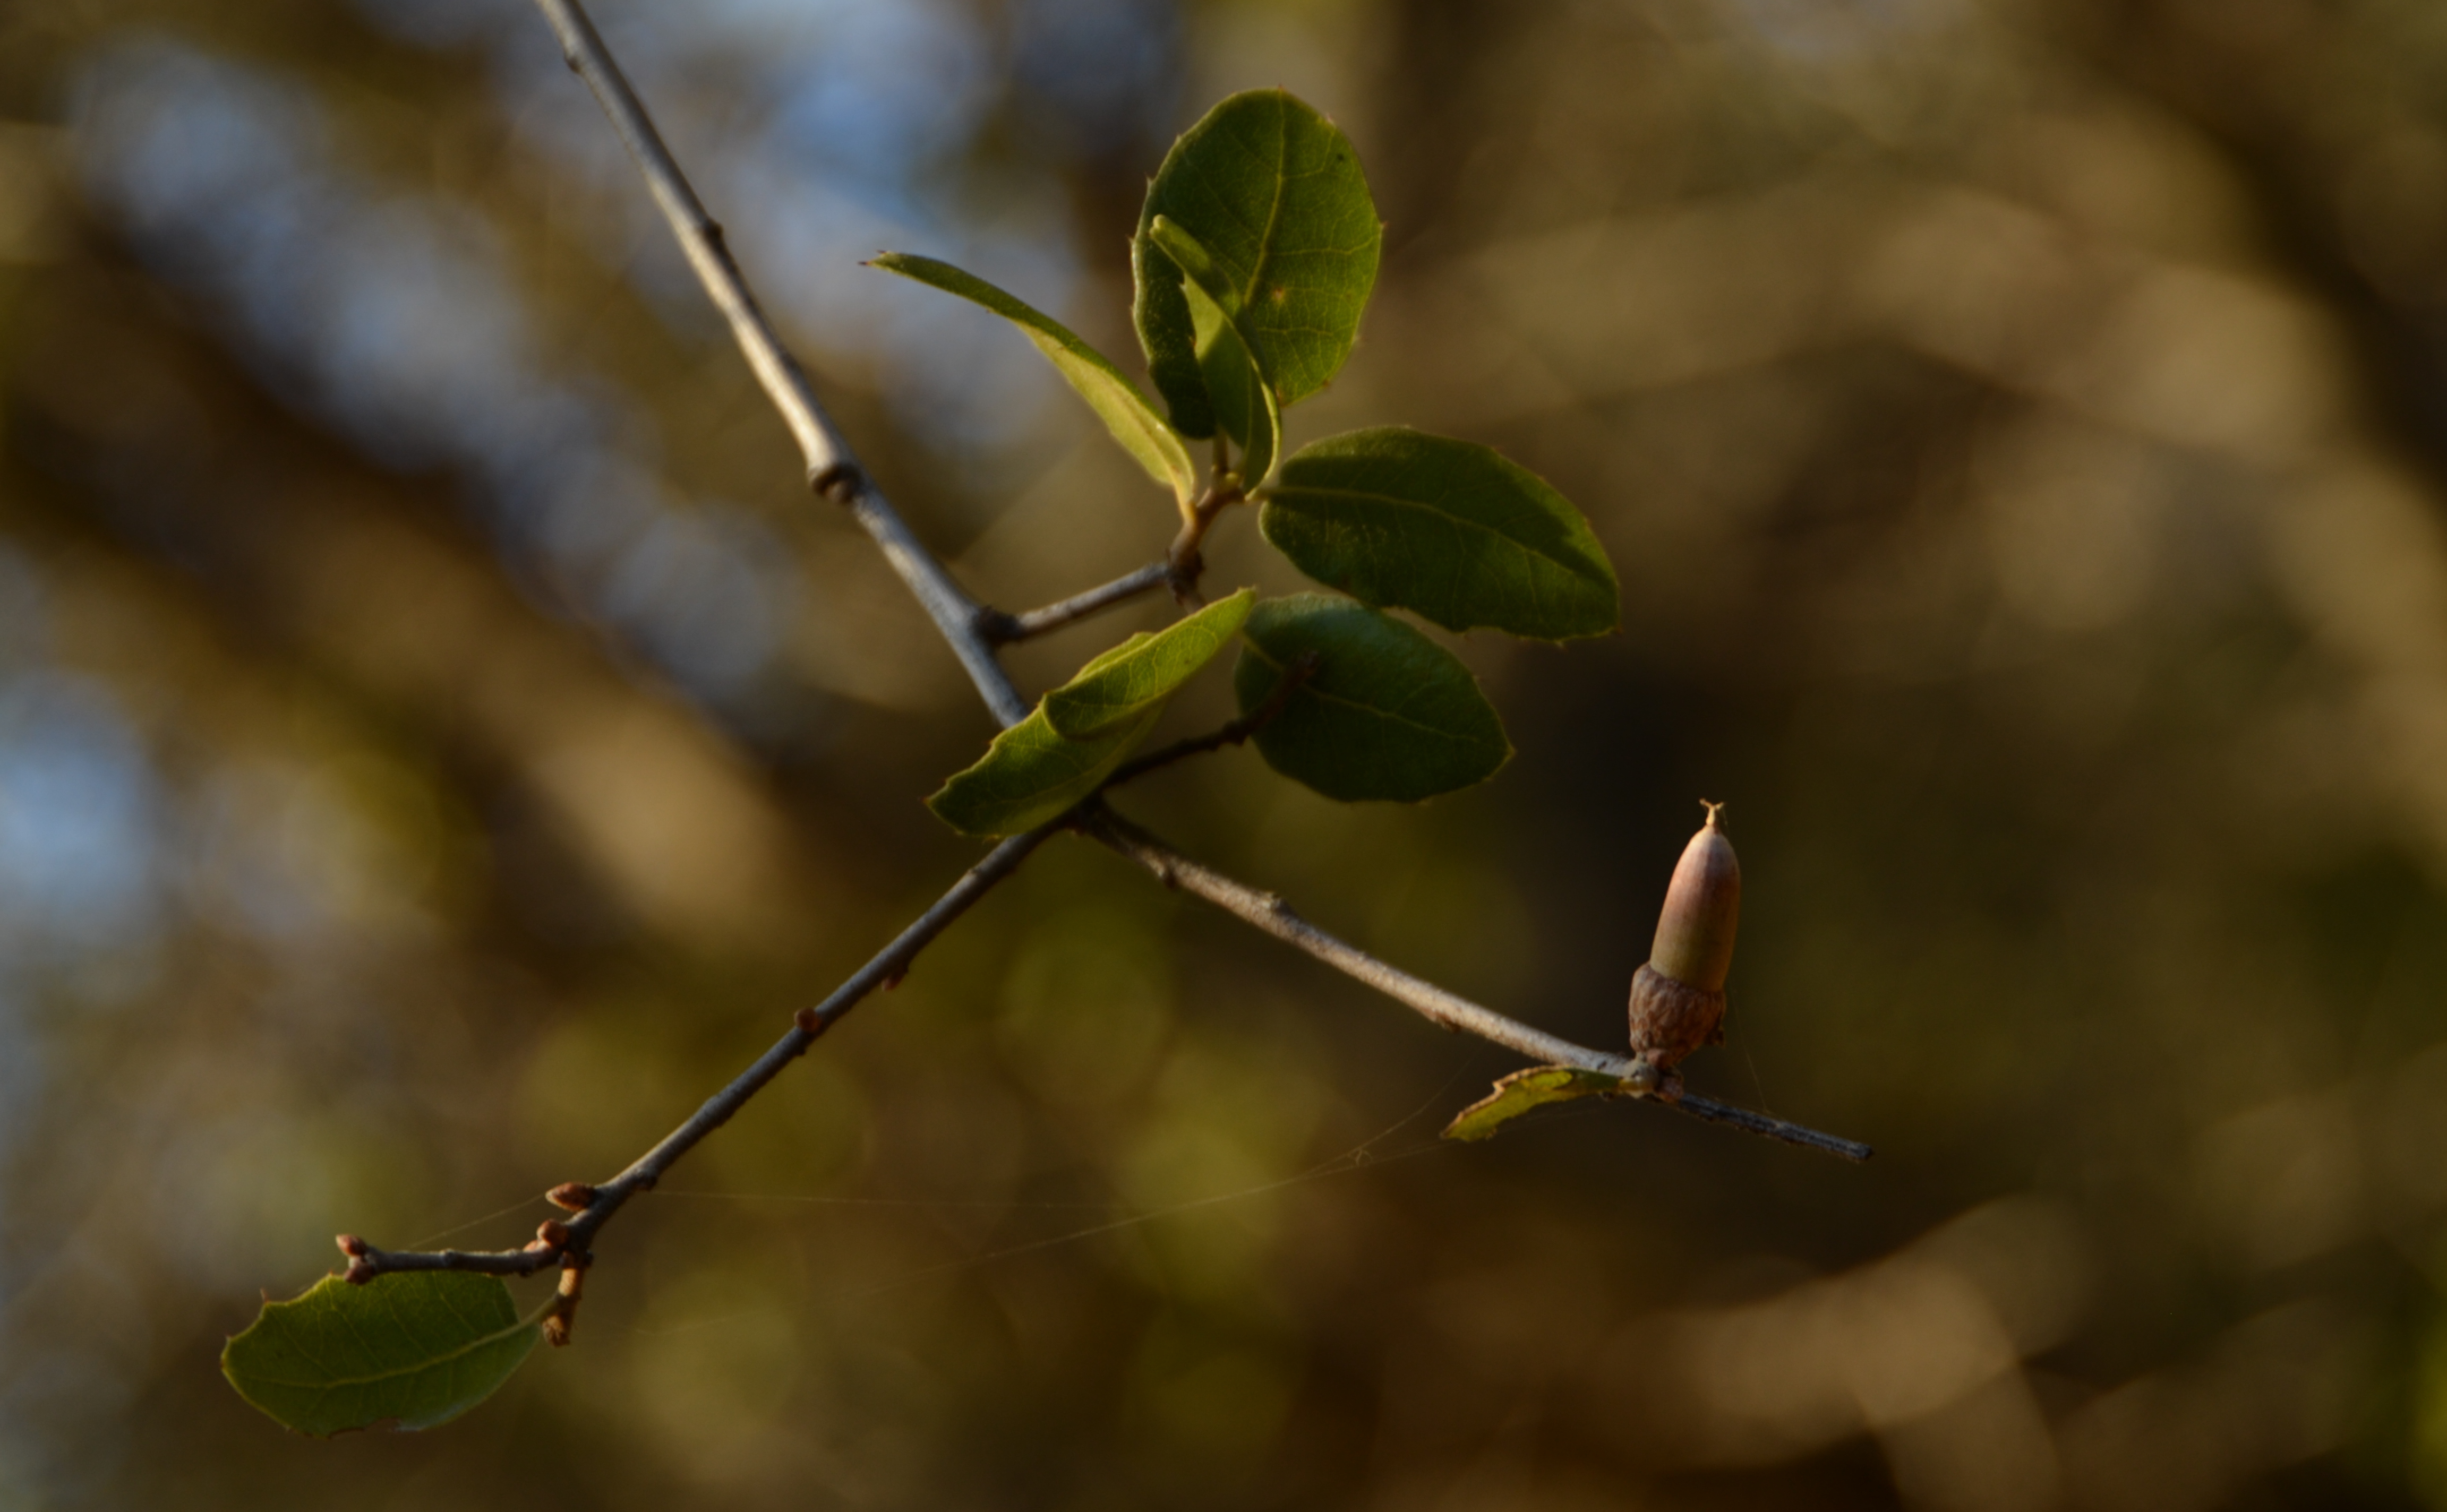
1116,400
1523,1090
1144,670
413,1349
1243,403
1273,191
1387,714
1030,775
1448,529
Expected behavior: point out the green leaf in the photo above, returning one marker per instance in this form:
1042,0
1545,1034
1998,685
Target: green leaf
1029,774
1450,529
1523,1090
1273,191
1387,714
1116,400
1243,403
1143,671
414,1349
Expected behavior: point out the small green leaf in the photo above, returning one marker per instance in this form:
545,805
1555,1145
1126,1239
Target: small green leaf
1273,191
1243,403
1448,529
1388,713
1521,1091
414,1349
1145,671
1029,774
1116,400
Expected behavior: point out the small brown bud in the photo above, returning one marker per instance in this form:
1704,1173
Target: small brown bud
1678,999
809,1022
553,1233
563,1316
351,1246
571,1196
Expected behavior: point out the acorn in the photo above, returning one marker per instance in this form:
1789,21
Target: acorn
1678,999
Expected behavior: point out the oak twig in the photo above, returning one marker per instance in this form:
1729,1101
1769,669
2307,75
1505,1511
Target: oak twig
972,631
1183,562
888,966
833,470
1268,912
1000,629
961,621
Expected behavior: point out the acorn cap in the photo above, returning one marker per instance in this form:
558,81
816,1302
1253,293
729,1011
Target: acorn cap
1695,931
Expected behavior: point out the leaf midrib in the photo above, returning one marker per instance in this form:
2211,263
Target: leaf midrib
437,1361
1576,570
1274,209
1311,690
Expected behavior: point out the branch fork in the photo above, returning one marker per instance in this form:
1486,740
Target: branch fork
974,632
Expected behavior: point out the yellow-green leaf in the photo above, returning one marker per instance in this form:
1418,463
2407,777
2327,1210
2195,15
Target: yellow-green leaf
1031,775
1117,402
1242,400
1144,670
1523,1090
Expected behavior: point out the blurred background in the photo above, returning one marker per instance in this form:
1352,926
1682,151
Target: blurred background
441,741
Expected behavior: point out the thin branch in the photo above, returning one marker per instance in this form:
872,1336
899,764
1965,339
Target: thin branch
1268,912
833,470
887,966
1000,629
1183,562
971,631
1303,666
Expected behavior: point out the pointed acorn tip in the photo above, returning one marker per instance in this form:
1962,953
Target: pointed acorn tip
1714,810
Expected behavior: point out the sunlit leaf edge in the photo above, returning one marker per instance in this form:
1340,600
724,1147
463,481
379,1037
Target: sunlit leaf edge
1128,414
1525,1090
1112,687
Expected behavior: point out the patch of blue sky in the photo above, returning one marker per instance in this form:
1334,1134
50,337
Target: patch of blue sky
393,318
846,141
1106,74
79,825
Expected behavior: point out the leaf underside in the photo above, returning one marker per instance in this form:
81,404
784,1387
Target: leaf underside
1031,775
1126,412
415,1349
1521,1091
1453,531
1275,193
1032,771
1387,714
1144,670
1237,388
